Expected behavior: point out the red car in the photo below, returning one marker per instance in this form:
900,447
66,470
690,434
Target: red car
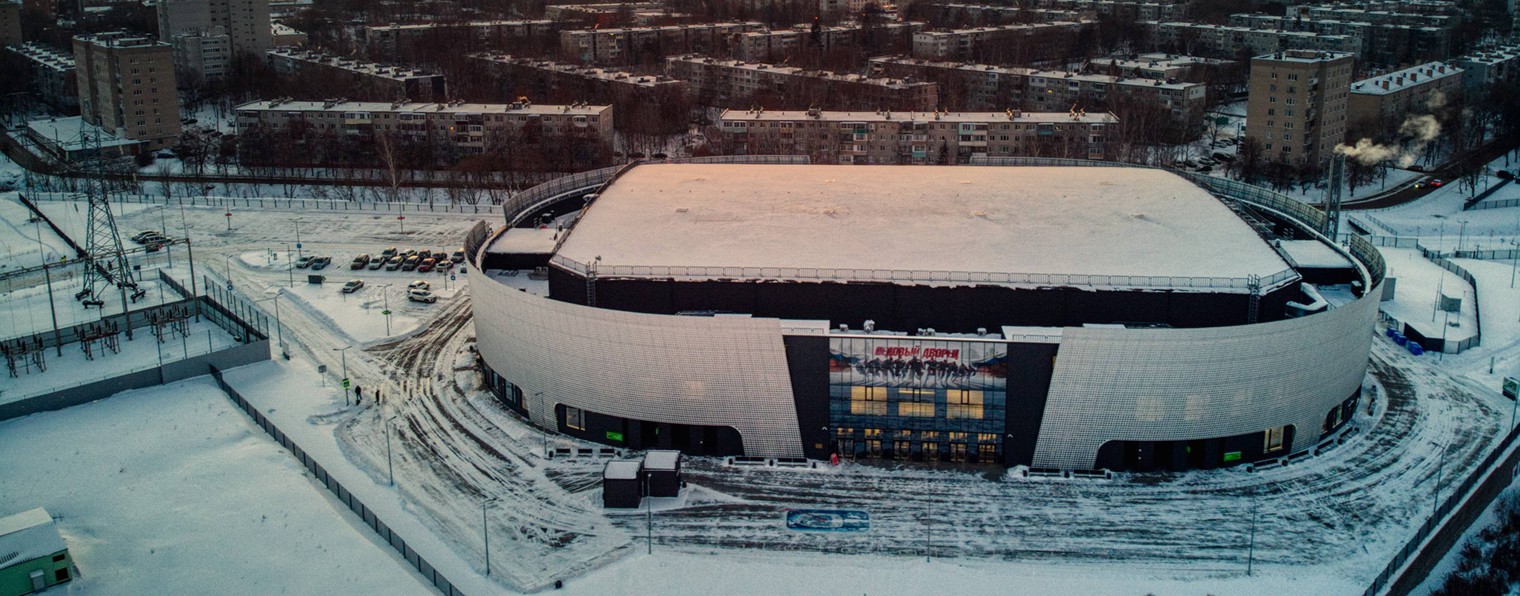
427,264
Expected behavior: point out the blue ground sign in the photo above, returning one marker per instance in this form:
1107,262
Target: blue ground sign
828,520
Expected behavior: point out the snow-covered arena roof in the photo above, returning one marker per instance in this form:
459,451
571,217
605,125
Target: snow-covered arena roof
851,220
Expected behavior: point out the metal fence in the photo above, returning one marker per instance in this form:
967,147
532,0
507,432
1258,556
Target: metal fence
223,295
301,204
1444,262
1456,505
895,275
383,530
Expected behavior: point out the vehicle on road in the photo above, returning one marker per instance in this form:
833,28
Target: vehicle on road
140,236
1429,183
352,286
394,263
421,296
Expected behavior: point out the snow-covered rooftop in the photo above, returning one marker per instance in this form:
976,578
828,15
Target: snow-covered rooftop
30,534
1313,254
1400,80
525,241
849,223
662,460
623,469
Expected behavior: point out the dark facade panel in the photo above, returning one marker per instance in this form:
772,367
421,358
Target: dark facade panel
1029,369
807,360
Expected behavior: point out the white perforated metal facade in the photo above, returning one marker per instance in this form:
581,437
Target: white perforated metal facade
726,371
1183,384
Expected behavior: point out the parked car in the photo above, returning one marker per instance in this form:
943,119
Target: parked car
394,264
427,265
359,262
410,252
352,286
419,285
410,263
388,253
424,253
457,257
304,262
138,237
375,264
320,263
444,265
421,296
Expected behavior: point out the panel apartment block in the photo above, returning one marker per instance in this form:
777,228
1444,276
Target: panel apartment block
53,77
357,79
471,126
1391,97
126,86
983,87
885,137
646,45
732,83
1297,108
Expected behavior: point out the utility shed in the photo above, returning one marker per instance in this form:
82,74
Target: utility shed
663,469
32,554
622,484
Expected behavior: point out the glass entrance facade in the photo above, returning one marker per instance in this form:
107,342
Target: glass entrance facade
917,399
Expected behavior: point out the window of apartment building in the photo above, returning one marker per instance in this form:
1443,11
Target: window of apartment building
1293,76
1288,126
1272,87
1272,99
1270,123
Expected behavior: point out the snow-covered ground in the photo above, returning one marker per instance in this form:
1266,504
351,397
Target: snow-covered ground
1418,283
1324,525
172,490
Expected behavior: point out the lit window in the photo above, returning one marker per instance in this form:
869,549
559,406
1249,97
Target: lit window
915,402
868,401
963,403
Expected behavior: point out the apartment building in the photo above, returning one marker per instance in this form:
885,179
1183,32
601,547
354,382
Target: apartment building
640,14
10,23
640,103
1157,66
53,78
644,45
359,79
1381,43
1038,41
980,14
1297,109
1484,67
126,87
777,45
886,137
1388,98
1221,41
393,41
733,83
244,22
1364,15
471,127
282,35
983,87
1130,9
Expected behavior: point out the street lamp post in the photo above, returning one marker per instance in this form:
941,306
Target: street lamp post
385,293
227,264
298,238
228,215
391,471
343,351
290,266
485,532
278,334
401,224
1440,471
